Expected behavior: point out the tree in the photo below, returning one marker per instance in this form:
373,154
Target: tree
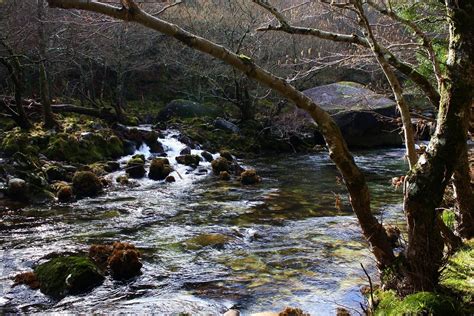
418,267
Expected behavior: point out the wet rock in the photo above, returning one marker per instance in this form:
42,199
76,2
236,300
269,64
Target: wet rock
65,194
56,173
170,179
124,262
159,169
217,241
68,275
151,139
187,141
27,278
227,155
185,151
220,164
232,312
18,189
112,166
207,156
226,125
136,167
122,179
129,147
249,177
189,160
86,184
224,175
100,254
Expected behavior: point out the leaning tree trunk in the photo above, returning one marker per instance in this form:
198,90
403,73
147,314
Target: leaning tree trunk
339,153
426,182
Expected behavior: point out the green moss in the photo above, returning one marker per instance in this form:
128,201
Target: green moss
458,276
68,275
86,183
449,218
421,303
135,167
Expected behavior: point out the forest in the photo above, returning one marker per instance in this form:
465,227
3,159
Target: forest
237,157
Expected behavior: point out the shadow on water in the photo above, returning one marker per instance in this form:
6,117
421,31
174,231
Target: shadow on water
208,245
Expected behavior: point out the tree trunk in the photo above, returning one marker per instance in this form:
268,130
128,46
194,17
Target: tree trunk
339,153
464,197
426,182
48,116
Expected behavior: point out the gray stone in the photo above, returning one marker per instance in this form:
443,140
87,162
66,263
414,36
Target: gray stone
226,125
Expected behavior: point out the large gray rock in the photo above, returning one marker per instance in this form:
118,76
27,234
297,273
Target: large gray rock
187,109
364,117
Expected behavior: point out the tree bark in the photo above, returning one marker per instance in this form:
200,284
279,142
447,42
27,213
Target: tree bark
339,153
464,197
426,182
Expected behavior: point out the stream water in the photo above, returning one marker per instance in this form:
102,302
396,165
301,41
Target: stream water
287,243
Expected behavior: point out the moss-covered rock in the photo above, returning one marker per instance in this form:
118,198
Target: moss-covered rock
86,184
136,168
159,169
249,177
421,303
65,194
189,160
68,275
227,155
220,164
224,175
124,262
56,173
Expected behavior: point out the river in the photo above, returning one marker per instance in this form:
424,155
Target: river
287,244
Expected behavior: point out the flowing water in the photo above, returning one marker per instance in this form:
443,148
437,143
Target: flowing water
286,242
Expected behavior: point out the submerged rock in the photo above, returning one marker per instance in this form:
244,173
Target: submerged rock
185,151
207,156
207,240
27,278
224,175
68,275
159,169
249,177
86,184
136,167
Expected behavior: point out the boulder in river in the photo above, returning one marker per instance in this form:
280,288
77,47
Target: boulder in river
65,193
249,177
68,275
220,164
136,167
86,184
366,119
124,262
207,156
18,189
159,169
189,160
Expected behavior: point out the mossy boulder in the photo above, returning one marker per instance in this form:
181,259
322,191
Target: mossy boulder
224,175
56,173
159,169
65,194
249,177
189,160
421,303
220,164
217,241
124,262
68,275
86,184
136,167
227,155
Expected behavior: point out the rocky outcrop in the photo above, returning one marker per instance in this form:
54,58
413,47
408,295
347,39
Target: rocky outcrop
366,119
